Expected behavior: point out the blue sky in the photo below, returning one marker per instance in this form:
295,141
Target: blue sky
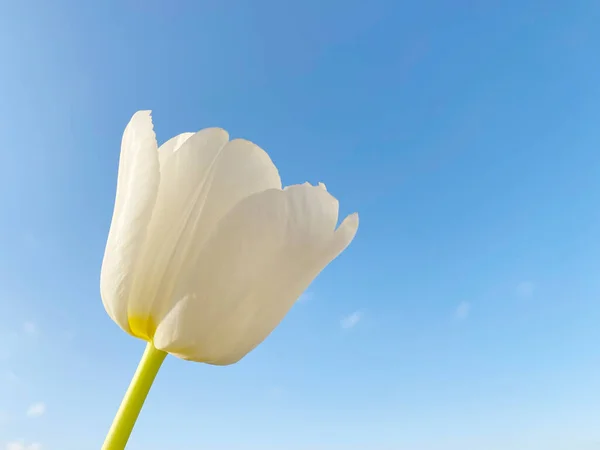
464,316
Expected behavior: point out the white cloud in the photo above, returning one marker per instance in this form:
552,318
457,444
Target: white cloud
351,320
525,289
462,310
20,445
36,410
29,327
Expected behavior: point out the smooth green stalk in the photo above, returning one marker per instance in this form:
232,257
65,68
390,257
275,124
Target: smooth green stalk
132,403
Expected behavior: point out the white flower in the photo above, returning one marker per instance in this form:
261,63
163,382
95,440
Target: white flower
206,252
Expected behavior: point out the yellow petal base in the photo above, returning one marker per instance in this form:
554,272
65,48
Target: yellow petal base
142,327
132,403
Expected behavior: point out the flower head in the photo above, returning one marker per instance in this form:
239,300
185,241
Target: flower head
206,252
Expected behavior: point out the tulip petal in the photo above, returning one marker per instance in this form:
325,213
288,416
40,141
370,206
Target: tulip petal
202,180
166,150
137,186
263,254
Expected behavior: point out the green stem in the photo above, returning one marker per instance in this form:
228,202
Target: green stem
132,403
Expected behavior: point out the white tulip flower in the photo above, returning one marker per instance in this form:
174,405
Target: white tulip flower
206,252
